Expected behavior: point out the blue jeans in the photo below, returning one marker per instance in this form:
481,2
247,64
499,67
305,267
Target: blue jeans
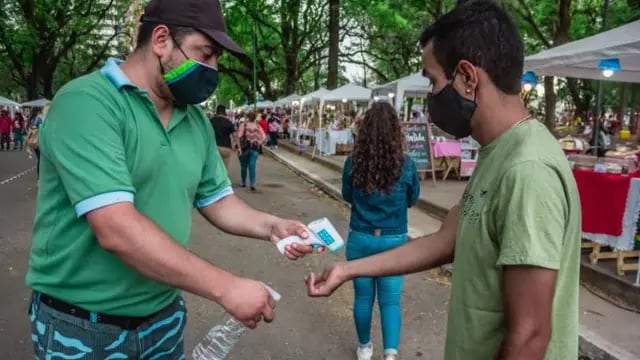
56,335
248,161
388,289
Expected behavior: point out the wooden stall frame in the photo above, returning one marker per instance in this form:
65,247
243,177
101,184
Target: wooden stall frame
622,267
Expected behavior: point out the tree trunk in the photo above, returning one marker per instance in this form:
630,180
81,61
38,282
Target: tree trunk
560,36
622,96
334,43
47,84
549,103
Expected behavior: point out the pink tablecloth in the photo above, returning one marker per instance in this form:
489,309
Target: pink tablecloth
449,148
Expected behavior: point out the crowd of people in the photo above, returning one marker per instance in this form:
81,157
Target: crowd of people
246,135
16,132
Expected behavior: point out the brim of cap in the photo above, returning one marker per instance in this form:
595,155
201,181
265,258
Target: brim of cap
224,40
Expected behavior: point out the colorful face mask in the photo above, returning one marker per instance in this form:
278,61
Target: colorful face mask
192,82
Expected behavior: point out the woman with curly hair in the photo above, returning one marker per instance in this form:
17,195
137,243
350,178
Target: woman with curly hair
381,183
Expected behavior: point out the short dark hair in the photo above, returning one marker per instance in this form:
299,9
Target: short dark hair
146,30
221,110
483,33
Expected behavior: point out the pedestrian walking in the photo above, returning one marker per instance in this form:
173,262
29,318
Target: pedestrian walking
18,132
33,136
107,274
225,134
515,236
379,206
6,124
274,129
251,136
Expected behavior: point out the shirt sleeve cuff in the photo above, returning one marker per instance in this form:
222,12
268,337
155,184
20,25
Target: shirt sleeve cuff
202,203
95,202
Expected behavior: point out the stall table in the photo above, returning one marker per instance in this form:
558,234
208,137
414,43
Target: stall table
448,154
326,140
610,209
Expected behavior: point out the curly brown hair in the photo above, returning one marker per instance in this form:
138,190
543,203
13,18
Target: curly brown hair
378,155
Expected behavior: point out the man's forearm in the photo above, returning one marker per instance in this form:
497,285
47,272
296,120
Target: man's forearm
525,345
141,244
234,216
418,255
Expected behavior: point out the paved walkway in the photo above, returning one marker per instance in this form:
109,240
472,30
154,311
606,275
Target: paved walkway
607,331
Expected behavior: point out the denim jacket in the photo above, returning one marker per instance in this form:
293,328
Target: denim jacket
381,210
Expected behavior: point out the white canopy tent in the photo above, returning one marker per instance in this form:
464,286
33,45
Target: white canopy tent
313,97
36,103
348,92
414,85
264,104
7,102
287,100
581,58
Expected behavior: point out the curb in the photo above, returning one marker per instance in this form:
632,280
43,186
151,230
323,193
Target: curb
591,345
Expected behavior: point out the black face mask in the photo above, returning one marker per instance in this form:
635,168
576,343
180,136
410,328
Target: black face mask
450,111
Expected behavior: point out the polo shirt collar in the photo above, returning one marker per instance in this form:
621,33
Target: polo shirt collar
112,71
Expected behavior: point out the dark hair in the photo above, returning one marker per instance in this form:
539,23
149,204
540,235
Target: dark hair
483,33
221,110
146,30
379,152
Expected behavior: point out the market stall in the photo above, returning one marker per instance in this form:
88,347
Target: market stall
303,130
334,118
608,189
447,153
412,86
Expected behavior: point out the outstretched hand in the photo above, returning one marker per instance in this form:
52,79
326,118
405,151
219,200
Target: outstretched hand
323,285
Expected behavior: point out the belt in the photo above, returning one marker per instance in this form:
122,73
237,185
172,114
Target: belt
123,322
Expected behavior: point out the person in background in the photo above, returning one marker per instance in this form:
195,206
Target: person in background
274,129
515,236
18,132
378,219
225,134
263,121
285,128
35,123
251,136
6,125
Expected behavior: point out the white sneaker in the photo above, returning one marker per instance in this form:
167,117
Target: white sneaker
365,352
390,357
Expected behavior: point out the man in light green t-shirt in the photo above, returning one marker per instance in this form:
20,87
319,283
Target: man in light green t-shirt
515,236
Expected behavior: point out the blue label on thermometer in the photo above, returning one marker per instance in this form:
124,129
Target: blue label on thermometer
325,237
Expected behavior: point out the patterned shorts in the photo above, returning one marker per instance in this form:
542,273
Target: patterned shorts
56,335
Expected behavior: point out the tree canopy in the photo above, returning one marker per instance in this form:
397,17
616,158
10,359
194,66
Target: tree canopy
300,44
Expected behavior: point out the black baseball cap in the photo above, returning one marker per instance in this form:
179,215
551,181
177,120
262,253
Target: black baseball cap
202,15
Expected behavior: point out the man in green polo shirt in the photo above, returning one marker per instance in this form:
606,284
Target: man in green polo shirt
515,237
125,156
